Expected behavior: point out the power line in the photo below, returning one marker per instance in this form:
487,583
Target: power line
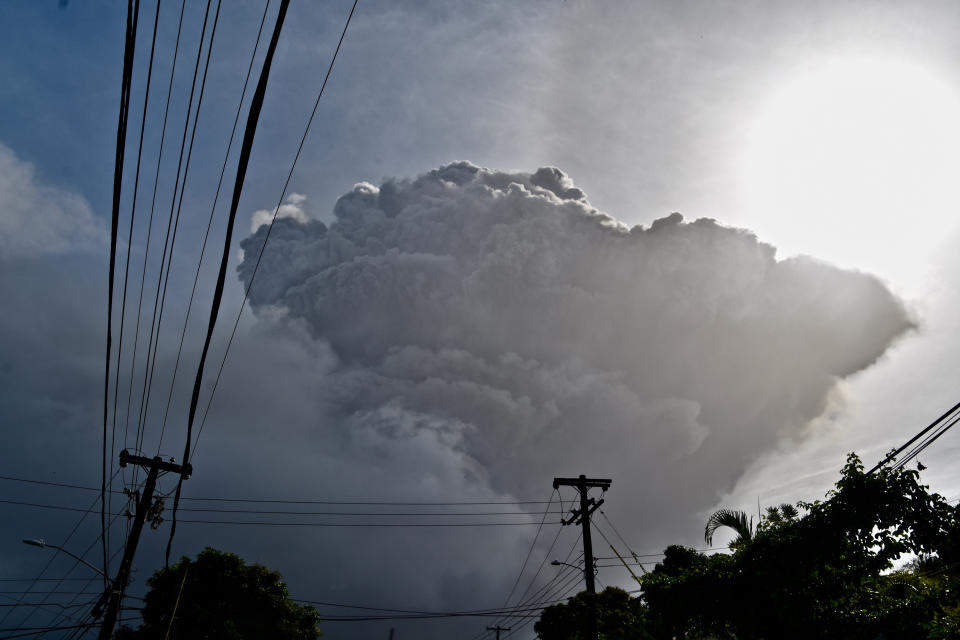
173,222
548,586
56,551
213,207
529,552
126,269
933,425
133,10
77,561
366,524
285,501
253,117
283,193
146,256
309,513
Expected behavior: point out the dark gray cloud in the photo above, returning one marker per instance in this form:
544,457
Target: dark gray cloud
501,322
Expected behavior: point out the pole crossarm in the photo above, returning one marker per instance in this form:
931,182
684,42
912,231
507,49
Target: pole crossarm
162,465
498,629
602,483
576,516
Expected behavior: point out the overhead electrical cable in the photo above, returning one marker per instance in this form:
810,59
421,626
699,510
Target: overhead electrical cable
60,618
549,585
256,104
543,562
283,192
274,523
56,552
143,277
170,239
559,594
282,501
133,9
933,425
526,559
53,556
176,223
928,440
461,514
213,208
126,268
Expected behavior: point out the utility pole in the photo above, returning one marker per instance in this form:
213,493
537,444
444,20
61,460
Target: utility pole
498,629
114,595
581,516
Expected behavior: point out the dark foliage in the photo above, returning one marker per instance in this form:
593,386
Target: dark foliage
825,574
619,617
221,598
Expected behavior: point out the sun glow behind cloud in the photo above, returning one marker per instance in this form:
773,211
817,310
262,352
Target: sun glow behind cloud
856,161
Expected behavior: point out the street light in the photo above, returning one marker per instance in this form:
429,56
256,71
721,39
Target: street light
40,542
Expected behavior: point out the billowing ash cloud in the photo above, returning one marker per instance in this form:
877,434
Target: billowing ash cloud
500,317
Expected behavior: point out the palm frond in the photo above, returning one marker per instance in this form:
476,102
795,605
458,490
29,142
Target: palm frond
789,511
741,524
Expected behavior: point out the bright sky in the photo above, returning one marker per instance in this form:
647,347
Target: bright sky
828,129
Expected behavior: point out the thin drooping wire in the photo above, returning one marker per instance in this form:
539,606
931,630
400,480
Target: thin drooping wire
133,10
543,562
576,574
610,544
146,256
558,594
550,585
281,501
256,105
32,631
126,268
382,525
529,552
283,193
213,208
626,546
520,600
409,514
173,222
66,540
412,611
61,617
909,442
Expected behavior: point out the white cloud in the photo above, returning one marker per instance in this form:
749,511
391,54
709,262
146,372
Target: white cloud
38,218
292,208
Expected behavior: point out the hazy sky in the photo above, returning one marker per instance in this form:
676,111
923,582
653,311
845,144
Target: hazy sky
476,284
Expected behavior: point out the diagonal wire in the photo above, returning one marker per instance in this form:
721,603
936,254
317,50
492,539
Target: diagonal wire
56,552
530,551
126,269
283,193
133,10
213,207
143,277
253,117
174,222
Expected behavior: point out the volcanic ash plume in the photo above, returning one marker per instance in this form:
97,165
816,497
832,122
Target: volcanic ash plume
502,318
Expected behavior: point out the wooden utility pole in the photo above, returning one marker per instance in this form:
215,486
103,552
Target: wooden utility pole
498,629
581,516
144,506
